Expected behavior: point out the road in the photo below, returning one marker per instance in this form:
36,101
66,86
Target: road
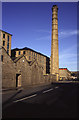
57,101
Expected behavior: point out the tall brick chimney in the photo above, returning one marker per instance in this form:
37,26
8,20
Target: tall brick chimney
54,43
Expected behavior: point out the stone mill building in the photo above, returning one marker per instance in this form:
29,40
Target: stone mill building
25,66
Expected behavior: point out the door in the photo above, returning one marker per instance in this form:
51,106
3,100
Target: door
18,80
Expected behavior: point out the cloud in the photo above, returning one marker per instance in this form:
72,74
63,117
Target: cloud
44,38
69,50
42,31
43,34
62,33
67,33
68,58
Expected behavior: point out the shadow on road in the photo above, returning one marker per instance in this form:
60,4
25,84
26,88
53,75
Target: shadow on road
10,99
29,110
66,105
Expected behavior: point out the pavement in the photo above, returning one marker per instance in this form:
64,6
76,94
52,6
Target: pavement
9,94
13,93
49,101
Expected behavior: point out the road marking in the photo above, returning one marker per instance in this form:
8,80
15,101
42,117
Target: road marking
25,98
47,90
57,87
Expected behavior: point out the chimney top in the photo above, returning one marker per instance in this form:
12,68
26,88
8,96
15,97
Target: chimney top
55,7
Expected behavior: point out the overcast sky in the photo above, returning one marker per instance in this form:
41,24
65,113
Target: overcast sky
31,26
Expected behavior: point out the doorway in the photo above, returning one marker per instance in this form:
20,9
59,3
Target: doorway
18,80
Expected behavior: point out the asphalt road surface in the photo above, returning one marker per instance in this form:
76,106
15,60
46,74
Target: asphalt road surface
57,101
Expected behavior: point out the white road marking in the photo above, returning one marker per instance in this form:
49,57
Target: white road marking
57,87
47,90
25,98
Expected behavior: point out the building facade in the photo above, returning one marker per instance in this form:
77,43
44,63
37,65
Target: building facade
64,74
27,73
32,55
20,72
6,41
8,70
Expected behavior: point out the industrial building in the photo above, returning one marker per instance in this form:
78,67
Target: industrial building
25,66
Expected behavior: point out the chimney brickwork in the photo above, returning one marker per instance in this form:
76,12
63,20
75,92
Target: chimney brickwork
54,42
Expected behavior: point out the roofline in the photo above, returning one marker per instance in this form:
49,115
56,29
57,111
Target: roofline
62,68
17,49
6,32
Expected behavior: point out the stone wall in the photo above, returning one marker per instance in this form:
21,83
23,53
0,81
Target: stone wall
21,73
49,78
31,55
8,71
36,73
23,68
31,72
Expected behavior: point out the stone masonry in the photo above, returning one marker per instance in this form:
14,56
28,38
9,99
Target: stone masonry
8,70
54,42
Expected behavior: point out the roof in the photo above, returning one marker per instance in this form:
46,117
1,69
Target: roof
65,69
26,48
62,68
18,58
5,32
30,62
15,60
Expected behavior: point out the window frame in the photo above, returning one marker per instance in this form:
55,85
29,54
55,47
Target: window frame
3,43
3,35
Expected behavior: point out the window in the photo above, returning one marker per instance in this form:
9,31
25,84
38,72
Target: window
8,38
15,53
3,35
3,43
7,46
23,52
8,51
2,58
19,53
